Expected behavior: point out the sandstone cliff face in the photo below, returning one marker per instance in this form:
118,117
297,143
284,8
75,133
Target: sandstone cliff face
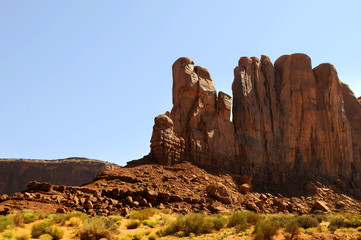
16,173
289,121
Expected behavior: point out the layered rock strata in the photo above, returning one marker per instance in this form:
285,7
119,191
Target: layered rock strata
16,173
289,121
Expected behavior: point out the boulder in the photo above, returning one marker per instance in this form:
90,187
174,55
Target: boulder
244,188
220,192
322,206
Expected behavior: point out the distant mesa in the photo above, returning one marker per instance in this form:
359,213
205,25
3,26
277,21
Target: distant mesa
289,122
16,173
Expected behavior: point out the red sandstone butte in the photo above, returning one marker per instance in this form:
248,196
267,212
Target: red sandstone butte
290,121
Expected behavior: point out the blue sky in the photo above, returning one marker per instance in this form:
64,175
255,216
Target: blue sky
86,78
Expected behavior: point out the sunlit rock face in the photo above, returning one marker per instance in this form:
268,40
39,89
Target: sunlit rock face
289,121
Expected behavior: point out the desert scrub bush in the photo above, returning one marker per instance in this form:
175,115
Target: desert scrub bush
97,228
133,224
116,218
55,232
6,223
282,218
23,237
306,221
143,214
194,223
74,222
336,223
39,229
149,223
152,237
63,218
266,229
138,236
242,219
46,237
166,211
18,219
8,234
30,217
351,220
319,217
218,221
292,228
41,215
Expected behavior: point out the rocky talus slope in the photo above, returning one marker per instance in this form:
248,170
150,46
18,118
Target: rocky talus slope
17,173
181,187
290,121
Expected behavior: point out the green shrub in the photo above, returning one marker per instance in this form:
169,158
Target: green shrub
306,221
243,218
237,218
218,221
133,224
8,234
116,218
143,214
351,220
19,219
166,211
30,217
195,223
152,237
39,229
149,223
46,237
23,237
266,229
319,217
41,215
97,228
62,218
55,232
6,223
292,228
283,219
138,236
336,223
75,222
241,227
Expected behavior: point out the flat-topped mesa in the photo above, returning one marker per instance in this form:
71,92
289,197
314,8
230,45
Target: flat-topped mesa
289,121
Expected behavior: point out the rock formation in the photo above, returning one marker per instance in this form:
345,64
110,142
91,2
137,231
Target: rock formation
289,122
16,173
182,187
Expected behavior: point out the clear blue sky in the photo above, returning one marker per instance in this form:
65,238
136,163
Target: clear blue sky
86,78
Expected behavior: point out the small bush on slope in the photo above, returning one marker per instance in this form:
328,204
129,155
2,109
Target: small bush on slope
39,229
97,228
19,219
23,237
133,224
6,223
292,228
307,221
55,232
195,223
266,229
143,214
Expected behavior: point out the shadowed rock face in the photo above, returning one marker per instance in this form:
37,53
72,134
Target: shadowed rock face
289,121
16,173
